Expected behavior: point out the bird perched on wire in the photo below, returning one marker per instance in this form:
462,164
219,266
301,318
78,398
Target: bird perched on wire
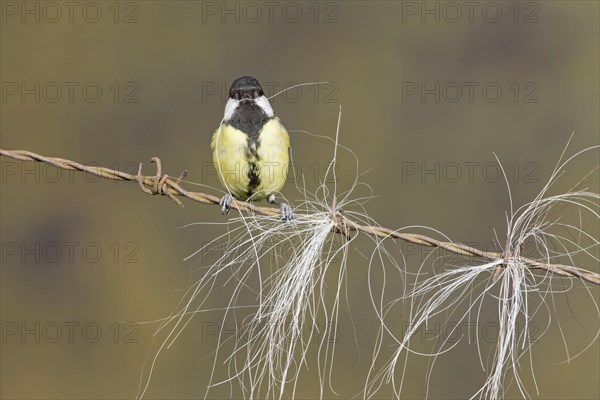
251,148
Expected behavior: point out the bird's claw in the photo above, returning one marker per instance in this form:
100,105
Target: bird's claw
225,204
286,212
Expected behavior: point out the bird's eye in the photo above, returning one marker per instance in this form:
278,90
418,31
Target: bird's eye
260,93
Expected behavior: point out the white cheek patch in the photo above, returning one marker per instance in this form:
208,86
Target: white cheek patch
263,103
230,108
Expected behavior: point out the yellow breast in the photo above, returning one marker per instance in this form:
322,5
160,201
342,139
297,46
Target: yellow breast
234,160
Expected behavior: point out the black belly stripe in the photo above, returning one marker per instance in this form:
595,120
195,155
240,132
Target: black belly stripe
253,170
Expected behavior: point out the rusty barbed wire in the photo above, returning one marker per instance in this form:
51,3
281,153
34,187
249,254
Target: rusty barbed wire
162,184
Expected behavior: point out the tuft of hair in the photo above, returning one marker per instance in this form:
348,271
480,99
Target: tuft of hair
510,283
275,274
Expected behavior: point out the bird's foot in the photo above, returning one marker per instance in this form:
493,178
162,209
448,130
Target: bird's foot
225,203
286,211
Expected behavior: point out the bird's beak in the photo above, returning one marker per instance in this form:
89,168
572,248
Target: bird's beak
246,96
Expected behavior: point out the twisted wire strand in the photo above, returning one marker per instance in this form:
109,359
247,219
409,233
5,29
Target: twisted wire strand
161,184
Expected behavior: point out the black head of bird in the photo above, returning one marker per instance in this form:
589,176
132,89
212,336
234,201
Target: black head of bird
245,88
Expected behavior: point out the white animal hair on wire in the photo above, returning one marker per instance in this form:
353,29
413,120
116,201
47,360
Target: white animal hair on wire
509,283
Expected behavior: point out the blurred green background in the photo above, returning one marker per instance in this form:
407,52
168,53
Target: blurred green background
115,83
